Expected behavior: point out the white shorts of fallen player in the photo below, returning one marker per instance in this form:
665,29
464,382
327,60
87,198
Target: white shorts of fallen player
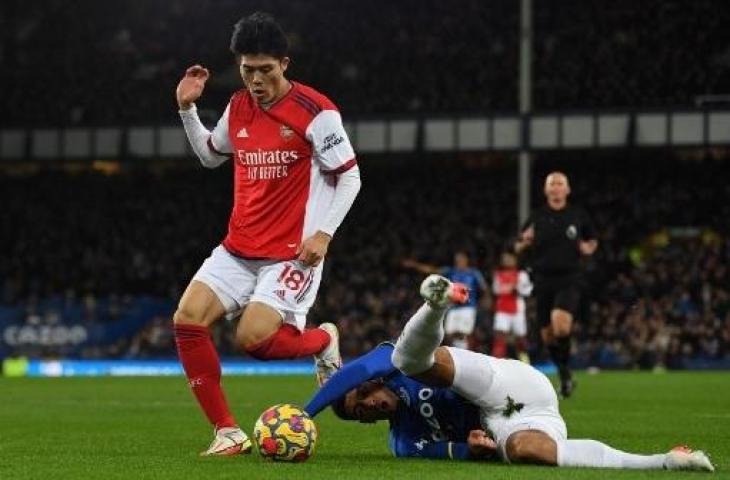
519,398
288,287
515,323
460,320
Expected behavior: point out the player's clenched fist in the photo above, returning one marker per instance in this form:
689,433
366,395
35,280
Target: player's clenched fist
313,249
191,86
480,444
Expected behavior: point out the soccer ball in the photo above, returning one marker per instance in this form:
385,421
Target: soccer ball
285,433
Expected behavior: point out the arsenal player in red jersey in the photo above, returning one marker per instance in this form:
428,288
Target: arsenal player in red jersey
295,178
510,285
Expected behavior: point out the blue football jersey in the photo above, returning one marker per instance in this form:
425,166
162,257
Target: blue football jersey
430,422
472,278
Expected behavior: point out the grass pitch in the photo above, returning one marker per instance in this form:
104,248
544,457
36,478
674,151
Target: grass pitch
150,428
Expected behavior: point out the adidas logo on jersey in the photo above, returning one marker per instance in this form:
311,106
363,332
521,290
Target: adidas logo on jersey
242,133
280,293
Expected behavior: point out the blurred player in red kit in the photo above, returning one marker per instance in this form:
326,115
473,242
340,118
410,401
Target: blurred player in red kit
510,285
295,179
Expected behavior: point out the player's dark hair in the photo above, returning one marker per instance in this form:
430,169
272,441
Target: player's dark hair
259,33
339,408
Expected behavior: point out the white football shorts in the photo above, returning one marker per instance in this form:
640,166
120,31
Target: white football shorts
288,287
520,398
512,322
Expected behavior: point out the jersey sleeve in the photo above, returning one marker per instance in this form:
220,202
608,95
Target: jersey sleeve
219,141
212,148
524,285
331,147
375,364
404,442
588,232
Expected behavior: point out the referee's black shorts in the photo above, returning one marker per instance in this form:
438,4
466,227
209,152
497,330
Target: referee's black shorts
557,292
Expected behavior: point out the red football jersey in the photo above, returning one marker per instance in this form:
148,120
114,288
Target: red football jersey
505,281
286,161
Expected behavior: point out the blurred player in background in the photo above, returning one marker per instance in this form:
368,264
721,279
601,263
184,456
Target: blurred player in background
295,178
557,235
460,319
451,403
509,286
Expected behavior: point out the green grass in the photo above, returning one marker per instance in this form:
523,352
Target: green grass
120,428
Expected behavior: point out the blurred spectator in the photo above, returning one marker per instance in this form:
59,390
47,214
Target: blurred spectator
662,279
93,63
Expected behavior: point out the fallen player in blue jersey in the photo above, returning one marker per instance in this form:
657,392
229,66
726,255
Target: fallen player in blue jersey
445,402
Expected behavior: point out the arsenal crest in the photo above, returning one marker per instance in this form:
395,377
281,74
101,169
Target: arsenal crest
286,133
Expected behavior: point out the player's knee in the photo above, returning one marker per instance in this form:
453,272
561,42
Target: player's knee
531,446
248,340
519,449
188,316
561,323
258,323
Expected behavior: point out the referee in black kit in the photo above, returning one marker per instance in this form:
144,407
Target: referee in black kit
557,235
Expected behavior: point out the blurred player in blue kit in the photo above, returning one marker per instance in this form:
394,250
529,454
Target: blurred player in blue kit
446,402
461,318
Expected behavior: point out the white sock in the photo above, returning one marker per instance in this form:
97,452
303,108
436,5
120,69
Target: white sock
473,375
423,333
591,453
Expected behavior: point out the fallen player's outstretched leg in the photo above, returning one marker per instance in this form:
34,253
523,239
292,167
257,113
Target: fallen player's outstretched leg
424,332
518,404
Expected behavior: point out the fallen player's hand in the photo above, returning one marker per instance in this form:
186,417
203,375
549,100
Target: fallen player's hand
480,444
313,249
191,86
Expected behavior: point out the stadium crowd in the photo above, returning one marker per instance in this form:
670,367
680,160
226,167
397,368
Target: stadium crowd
588,54
659,288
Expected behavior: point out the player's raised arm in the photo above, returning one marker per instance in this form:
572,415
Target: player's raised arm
425,268
588,243
212,148
525,239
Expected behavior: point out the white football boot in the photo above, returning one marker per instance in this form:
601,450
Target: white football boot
328,361
229,441
684,458
439,292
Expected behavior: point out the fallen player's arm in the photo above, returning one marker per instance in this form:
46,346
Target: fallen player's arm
374,364
405,447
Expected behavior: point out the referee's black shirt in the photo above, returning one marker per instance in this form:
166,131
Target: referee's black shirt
554,250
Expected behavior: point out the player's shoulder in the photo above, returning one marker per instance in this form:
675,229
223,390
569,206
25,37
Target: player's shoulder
312,98
240,100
